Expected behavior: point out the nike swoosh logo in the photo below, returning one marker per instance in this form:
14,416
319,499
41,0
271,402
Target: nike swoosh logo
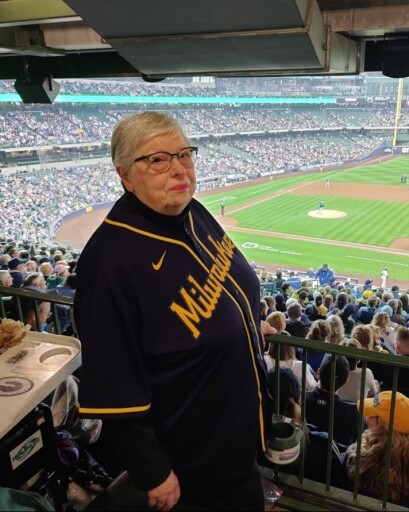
157,266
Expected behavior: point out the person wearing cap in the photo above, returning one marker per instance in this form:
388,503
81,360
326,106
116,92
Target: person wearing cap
324,275
346,314
286,290
318,402
395,291
280,303
365,314
368,284
377,412
17,272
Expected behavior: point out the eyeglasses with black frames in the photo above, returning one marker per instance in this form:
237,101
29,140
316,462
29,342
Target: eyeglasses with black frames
160,160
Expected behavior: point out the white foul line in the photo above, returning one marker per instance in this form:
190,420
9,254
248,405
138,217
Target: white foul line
381,261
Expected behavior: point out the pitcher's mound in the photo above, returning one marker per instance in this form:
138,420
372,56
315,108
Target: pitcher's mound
327,214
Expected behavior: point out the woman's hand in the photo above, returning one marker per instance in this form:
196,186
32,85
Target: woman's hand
166,495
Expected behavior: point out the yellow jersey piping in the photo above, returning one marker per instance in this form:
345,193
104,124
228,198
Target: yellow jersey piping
247,331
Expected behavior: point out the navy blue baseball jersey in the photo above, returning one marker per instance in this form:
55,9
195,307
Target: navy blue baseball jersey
167,313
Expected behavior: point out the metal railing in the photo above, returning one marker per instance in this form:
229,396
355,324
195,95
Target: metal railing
16,297
299,493
303,494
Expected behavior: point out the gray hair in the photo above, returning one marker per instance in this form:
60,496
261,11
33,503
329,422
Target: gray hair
136,129
4,274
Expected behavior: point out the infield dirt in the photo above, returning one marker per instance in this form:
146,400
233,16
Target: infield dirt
77,231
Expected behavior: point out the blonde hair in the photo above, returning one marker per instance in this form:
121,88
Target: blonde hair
136,129
319,331
46,268
336,329
381,319
264,275
277,320
372,463
365,335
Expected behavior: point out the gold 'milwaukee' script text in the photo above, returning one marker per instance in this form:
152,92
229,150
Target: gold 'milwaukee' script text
199,301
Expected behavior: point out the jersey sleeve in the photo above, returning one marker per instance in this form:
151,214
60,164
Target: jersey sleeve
113,378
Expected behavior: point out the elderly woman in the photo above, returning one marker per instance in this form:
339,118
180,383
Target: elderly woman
167,310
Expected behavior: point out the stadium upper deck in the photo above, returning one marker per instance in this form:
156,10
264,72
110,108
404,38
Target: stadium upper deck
365,85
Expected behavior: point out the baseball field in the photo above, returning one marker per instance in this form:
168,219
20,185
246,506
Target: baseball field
363,228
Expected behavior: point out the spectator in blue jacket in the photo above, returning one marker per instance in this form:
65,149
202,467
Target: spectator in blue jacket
324,275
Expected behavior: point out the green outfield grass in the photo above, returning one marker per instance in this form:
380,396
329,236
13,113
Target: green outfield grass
368,221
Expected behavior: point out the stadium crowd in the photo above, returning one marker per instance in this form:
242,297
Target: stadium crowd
321,308
317,307
70,187
40,197
215,86
26,125
209,86
242,154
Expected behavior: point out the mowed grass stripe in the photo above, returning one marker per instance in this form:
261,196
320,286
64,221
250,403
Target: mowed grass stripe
370,222
288,253
385,173
233,198
373,222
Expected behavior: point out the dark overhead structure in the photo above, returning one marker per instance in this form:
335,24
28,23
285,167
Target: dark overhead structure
156,39
227,37
38,89
395,62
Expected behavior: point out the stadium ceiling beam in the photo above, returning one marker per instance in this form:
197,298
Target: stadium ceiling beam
44,28
41,31
29,12
93,64
375,21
